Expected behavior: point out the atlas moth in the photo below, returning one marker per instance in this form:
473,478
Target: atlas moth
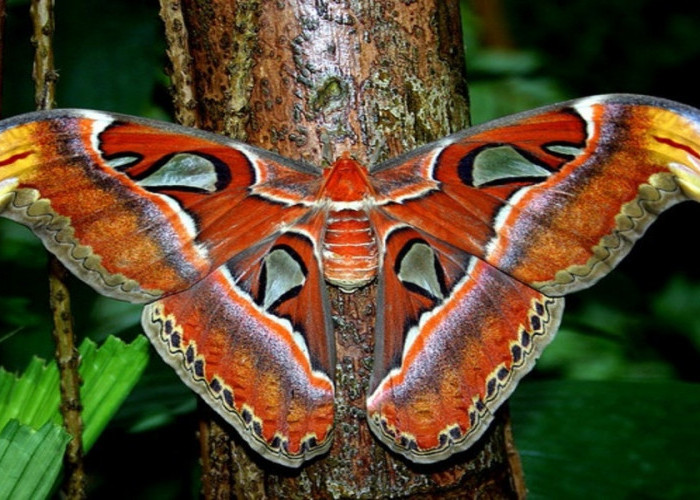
473,241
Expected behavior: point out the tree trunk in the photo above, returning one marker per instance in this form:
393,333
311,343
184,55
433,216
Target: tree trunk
312,79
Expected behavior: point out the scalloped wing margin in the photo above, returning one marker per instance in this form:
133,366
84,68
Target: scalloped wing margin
454,335
254,340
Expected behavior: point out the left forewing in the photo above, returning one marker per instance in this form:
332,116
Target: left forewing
139,208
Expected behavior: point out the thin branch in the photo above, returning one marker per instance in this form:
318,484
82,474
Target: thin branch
68,360
67,355
43,73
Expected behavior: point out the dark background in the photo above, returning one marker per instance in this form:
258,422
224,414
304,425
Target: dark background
628,351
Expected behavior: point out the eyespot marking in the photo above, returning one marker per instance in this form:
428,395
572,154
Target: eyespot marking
418,269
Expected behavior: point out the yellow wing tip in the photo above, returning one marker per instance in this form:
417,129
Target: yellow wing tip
7,188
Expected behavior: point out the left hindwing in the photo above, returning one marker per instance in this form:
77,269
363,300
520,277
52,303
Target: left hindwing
253,339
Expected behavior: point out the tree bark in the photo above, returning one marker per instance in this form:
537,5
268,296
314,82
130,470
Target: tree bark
312,79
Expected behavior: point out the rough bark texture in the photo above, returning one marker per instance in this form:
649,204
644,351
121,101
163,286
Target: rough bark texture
313,79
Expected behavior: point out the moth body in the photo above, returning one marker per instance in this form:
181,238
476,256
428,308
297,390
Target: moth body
350,251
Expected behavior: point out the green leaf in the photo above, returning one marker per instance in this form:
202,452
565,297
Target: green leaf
585,439
109,373
31,398
30,460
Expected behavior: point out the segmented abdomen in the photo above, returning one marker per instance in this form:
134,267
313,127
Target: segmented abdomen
350,254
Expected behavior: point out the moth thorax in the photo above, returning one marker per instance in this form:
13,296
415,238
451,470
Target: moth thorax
350,255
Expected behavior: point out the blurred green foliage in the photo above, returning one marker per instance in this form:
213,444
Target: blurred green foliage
583,439
638,324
